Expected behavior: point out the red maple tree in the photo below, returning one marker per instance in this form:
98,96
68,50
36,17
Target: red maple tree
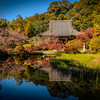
85,36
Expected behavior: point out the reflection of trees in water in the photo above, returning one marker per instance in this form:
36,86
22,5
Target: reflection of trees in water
2,60
84,90
34,75
85,83
1,96
0,85
59,90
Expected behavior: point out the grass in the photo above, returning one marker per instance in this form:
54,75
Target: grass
90,61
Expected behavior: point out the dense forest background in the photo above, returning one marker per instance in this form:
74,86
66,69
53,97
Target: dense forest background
84,14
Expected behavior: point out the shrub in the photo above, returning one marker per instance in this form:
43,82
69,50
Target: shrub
71,49
53,44
73,46
74,42
9,50
95,43
28,45
96,34
18,49
28,62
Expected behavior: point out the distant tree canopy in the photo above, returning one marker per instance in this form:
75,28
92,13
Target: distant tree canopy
4,23
84,14
96,17
38,27
81,13
60,7
18,23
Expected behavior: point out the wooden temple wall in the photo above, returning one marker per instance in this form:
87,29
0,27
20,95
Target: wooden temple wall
64,39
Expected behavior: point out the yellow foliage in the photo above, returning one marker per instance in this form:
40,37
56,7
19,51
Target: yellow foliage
27,63
28,45
16,48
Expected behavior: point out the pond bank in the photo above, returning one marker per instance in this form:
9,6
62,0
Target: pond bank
91,61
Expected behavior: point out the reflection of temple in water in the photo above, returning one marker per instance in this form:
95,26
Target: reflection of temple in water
55,75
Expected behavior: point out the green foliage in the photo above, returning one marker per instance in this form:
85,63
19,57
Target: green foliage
38,27
96,17
81,13
30,26
18,23
74,42
8,24
61,17
95,43
4,23
59,7
18,49
73,46
84,14
92,2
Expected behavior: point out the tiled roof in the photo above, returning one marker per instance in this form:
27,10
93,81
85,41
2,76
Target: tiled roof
60,28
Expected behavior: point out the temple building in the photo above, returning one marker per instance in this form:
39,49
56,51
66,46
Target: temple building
61,29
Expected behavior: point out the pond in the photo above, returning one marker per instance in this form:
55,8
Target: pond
34,78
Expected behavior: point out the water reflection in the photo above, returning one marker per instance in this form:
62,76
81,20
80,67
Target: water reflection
57,75
63,84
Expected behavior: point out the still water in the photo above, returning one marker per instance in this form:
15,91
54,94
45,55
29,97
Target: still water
21,79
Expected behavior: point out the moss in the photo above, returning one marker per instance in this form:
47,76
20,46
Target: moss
28,45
